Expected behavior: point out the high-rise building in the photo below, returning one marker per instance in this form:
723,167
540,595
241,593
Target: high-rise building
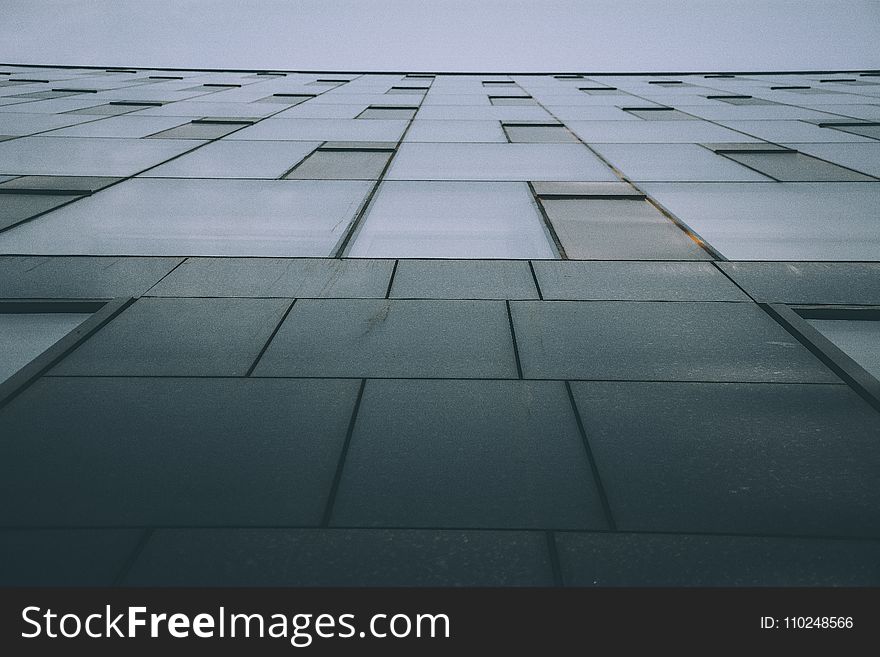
266,327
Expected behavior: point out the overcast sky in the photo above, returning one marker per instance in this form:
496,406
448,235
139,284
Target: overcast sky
446,35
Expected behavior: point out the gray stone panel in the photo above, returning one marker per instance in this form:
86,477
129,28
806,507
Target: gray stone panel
178,337
15,208
593,559
172,452
392,338
64,557
735,458
486,454
277,277
634,281
808,282
47,277
655,341
341,557
463,279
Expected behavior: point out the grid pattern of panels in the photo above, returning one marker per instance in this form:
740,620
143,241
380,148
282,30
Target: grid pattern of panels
386,329
793,159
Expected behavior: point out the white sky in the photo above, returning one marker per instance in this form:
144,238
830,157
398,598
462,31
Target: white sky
446,35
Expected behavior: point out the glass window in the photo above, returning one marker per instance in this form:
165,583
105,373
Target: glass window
658,113
864,128
377,112
512,100
342,164
286,99
669,83
863,157
402,91
791,166
74,185
107,110
533,133
618,229
606,190
603,91
16,208
742,100
25,335
858,339
198,130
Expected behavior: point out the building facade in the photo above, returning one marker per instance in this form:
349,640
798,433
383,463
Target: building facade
439,329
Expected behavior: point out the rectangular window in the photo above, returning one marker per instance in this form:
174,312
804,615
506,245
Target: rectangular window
18,207
388,112
669,83
863,128
622,228
788,165
113,108
594,190
25,197
538,133
27,329
658,113
137,103
286,99
344,161
56,185
407,90
742,100
855,331
328,82
602,91
752,147
45,95
512,100
225,120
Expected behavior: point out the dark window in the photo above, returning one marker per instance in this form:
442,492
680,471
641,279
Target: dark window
388,112
536,133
